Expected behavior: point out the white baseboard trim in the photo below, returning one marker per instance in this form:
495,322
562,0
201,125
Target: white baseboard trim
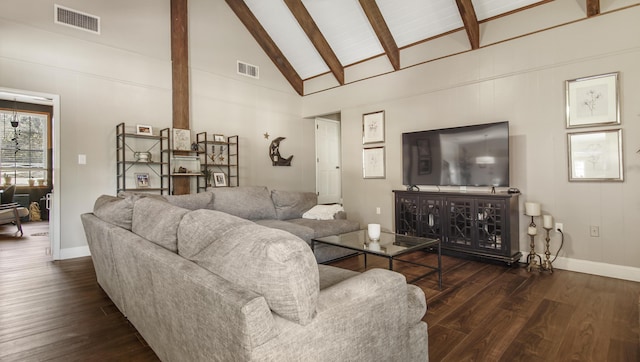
593,267
77,252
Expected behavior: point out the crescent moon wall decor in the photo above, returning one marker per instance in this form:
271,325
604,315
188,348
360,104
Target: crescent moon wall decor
274,154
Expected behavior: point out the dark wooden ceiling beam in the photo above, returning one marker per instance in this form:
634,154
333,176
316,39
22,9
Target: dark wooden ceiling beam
252,24
317,39
468,14
593,8
381,29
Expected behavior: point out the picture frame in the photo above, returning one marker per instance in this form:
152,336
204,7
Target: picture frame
593,101
595,155
219,179
142,180
181,139
373,162
143,129
219,138
373,127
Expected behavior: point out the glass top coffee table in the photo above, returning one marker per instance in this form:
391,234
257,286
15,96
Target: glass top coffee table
390,246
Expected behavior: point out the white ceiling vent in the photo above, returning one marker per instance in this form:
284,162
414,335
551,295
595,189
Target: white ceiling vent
248,70
76,19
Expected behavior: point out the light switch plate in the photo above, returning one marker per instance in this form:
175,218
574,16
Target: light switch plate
82,159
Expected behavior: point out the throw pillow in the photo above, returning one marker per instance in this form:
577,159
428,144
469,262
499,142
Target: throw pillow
323,212
114,210
291,204
273,263
157,221
202,200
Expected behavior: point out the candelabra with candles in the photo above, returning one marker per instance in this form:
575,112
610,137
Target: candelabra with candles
533,209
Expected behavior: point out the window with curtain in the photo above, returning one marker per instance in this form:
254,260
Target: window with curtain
23,149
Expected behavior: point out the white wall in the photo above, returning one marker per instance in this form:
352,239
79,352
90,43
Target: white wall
124,75
521,81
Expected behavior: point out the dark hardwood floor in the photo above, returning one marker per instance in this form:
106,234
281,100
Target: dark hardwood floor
55,311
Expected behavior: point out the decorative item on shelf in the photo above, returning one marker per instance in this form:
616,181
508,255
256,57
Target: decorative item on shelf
217,157
207,175
181,139
274,154
32,182
7,180
41,182
194,146
219,138
219,179
144,130
532,209
142,156
142,179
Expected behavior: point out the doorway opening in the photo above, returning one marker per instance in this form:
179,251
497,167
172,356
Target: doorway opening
29,136
328,159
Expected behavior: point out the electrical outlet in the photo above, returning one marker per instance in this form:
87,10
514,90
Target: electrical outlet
594,230
377,210
559,226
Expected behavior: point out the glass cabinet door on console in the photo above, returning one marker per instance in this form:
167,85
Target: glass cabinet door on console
417,215
460,222
475,223
489,224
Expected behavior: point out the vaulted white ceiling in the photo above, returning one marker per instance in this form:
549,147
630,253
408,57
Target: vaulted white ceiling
310,38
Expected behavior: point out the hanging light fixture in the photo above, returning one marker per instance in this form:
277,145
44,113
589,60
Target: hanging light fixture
14,119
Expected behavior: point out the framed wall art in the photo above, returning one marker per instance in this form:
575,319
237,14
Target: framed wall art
373,127
373,162
595,156
593,101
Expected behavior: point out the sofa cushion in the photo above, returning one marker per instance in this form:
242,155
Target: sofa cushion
291,204
273,263
322,228
114,210
247,202
202,200
157,221
303,232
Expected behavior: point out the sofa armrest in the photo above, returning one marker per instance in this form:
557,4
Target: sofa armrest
363,318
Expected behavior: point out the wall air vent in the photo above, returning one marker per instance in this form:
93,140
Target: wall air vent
248,70
76,19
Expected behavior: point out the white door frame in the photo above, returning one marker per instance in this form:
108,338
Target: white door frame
54,213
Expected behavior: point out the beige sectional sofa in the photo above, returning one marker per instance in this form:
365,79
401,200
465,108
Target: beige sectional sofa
204,285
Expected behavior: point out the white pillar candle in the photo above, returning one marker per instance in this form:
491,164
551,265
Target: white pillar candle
547,221
532,230
374,231
532,208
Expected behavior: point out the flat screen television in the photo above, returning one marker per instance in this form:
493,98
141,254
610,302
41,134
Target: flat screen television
475,155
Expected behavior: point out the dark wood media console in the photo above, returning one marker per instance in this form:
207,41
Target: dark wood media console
474,224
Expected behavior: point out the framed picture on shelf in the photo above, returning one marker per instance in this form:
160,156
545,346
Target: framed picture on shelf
593,101
181,139
373,127
142,179
219,138
373,162
595,156
219,179
144,130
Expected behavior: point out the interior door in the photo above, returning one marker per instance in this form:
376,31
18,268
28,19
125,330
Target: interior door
328,168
